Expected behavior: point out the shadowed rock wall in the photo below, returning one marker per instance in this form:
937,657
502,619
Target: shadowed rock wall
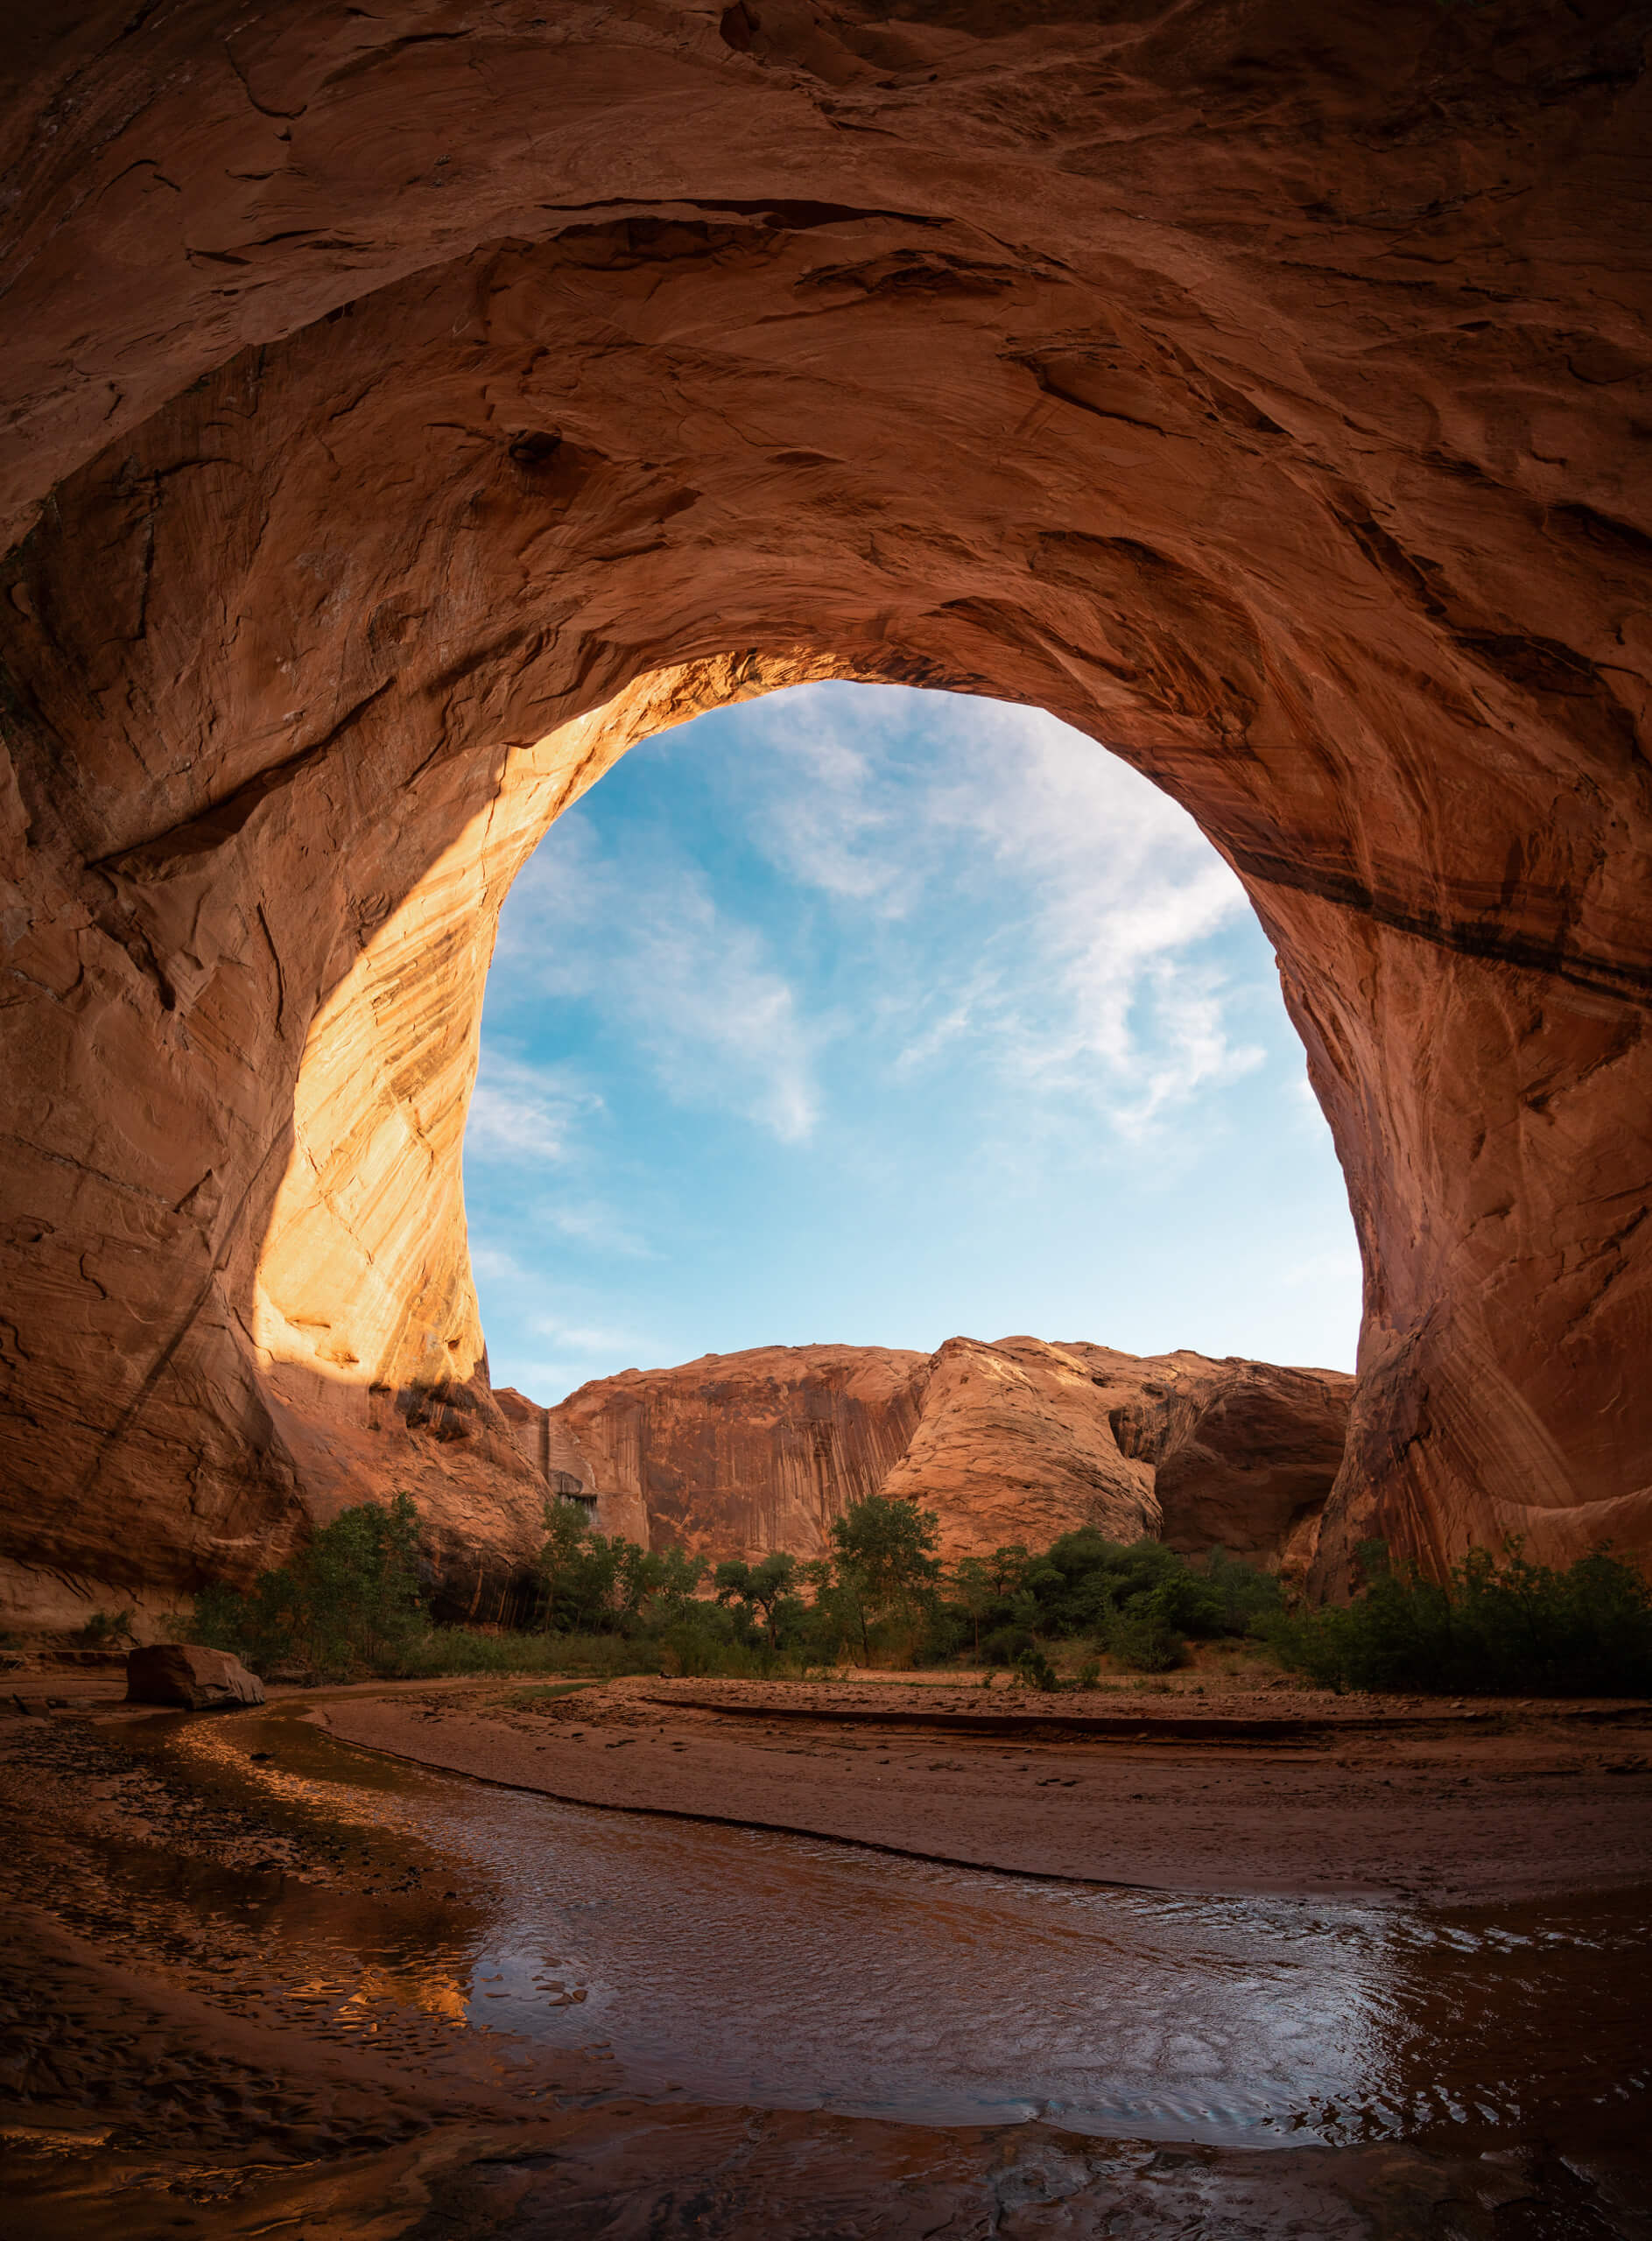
405,412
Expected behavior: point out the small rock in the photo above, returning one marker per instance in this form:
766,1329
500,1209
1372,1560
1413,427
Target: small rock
184,1673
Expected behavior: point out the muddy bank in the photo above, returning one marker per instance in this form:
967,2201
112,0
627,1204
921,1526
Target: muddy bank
1280,1792
255,1980
724,2175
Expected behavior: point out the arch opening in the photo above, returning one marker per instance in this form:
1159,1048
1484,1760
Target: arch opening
367,1321
875,1015
834,1026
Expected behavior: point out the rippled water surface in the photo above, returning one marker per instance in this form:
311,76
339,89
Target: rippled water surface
794,1972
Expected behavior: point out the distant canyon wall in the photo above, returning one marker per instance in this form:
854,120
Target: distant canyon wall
1020,1440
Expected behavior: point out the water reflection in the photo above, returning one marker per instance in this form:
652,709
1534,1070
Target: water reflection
746,1967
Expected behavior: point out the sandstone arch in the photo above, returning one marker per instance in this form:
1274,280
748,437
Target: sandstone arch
405,409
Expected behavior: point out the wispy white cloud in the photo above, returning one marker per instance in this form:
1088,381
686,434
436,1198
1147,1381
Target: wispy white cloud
1092,889
1338,1269
1086,895
574,1353
593,1222
522,1113
581,1337
491,1264
549,1380
638,933
997,983
831,818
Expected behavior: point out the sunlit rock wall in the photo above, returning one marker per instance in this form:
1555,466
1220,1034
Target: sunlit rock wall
1019,1441
746,1452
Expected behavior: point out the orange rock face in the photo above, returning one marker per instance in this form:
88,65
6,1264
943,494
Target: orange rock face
407,409
737,1454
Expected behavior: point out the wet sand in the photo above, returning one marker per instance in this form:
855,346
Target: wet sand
243,1973
1273,1791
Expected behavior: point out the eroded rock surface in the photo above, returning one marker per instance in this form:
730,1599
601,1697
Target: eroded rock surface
406,409
736,1454
187,1674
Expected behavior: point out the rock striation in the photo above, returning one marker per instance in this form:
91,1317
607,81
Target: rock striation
549,1445
405,409
1021,1440
747,1452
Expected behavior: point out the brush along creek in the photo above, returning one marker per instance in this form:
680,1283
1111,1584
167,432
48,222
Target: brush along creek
456,1959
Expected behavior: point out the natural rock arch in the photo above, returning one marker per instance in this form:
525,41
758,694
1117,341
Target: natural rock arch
408,411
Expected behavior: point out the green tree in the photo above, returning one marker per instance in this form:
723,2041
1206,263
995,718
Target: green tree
885,1552
350,1600
1006,1569
763,1588
579,1572
656,1585
834,1618
1502,1628
973,1585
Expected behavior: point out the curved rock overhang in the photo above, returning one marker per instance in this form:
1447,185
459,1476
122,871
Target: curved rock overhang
406,412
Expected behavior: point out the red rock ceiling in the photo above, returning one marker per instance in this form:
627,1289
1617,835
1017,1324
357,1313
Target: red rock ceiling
404,411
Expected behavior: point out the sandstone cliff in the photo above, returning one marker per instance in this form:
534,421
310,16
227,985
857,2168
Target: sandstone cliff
404,409
736,1454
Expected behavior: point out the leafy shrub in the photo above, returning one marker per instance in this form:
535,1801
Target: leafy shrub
1142,1638
942,1632
1034,1670
1006,1646
349,1603
104,1627
883,1563
711,1640
1490,1628
592,1583
764,1591
449,1651
1138,1599
1246,1599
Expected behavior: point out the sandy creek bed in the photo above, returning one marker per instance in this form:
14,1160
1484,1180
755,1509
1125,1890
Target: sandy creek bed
262,1979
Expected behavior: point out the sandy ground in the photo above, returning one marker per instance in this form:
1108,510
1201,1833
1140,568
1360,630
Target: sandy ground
1273,1791
138,2099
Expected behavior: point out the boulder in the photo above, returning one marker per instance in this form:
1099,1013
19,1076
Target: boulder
184,1673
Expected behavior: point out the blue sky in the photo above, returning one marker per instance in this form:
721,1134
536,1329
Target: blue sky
865,1014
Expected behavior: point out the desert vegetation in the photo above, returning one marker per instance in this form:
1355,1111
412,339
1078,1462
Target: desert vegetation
353,1603
1495,1626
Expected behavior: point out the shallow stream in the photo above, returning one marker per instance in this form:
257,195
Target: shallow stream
758,1968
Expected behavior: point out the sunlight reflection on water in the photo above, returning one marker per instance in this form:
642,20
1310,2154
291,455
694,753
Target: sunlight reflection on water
742,1966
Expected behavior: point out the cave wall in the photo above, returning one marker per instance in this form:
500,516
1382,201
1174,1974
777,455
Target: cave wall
404,412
